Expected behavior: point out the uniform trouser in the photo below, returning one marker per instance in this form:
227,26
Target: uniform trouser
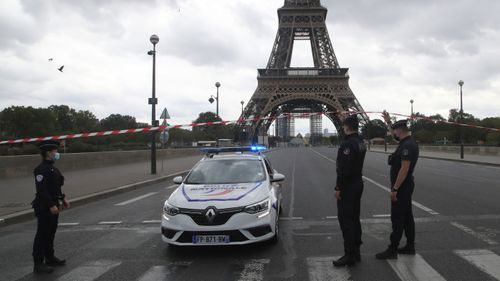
348,210
402,216
43,246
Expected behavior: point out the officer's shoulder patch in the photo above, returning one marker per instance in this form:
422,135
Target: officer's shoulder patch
39,178
405,152
347,151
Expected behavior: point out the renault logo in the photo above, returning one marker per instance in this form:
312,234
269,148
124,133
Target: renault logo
210,215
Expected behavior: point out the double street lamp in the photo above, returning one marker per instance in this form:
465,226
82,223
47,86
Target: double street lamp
461,84
153,101
216,98
211,100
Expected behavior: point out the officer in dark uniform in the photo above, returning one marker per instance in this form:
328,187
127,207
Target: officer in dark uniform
350,159
402,162
49,201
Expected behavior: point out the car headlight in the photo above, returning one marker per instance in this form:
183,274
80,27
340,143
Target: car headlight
260,207
170,210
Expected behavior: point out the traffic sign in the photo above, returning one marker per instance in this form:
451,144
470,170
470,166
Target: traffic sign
165,114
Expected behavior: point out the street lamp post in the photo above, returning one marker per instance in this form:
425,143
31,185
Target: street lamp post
153,101
242,103
411,101
461,84
211,100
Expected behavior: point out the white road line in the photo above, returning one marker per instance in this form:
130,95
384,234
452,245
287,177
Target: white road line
321,269
382,216
332,217
291,218
416,204
485,260
135,199
151,221
155,273
110,222
253,270
2,221
478,235
89,271
414,268
68,224
172,186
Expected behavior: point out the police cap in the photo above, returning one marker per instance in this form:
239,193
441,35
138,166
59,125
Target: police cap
400,124
48,145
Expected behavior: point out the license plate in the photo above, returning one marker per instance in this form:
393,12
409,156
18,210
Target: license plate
210,239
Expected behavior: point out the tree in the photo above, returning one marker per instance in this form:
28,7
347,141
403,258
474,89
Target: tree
65,118
118,122
374,129
207,132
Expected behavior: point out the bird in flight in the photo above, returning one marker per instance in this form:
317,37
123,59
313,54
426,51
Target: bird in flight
51,59
61,68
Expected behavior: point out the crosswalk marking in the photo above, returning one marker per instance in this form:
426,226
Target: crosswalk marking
89,271
470,231
253,270
136,199
68,224
486,260
110,222
151,222
155,273
321,269
414,268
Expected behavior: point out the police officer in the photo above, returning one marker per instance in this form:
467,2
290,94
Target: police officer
350,159
49,201
402,163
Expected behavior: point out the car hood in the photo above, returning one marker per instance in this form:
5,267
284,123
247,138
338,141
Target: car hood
200,196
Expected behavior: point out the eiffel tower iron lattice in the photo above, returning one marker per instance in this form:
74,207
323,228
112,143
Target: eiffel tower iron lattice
284,89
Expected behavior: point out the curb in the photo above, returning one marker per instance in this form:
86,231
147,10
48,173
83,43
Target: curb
448,159
28,214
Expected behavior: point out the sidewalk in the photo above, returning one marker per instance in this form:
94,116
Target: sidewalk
468,158
16,194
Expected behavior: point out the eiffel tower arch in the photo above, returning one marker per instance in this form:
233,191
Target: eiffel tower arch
283,89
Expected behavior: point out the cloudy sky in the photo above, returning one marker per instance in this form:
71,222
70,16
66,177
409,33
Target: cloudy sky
396,51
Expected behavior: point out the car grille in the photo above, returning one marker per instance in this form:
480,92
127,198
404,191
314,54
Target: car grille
220,218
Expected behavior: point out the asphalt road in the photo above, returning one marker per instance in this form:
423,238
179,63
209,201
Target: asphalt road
456,205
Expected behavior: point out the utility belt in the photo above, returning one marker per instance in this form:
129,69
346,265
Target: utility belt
36,203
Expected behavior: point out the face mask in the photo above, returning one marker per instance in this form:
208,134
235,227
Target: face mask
57,156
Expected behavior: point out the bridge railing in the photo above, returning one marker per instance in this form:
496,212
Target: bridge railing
292,72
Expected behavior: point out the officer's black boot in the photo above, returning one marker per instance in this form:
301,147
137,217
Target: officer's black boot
346,260
41,268
390,254
409,249
54,261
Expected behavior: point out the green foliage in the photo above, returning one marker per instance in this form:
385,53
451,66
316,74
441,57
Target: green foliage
376,128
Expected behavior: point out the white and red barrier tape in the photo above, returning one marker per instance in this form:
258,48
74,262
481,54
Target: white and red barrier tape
160,128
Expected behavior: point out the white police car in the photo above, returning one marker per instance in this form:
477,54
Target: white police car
229,198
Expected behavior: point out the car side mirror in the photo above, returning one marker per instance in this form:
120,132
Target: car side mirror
277,177
177,180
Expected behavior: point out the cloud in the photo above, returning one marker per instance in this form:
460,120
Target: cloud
396,51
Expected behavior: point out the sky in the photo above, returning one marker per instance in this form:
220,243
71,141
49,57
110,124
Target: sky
396,51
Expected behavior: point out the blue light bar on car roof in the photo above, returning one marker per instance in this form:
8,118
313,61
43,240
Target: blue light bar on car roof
217,150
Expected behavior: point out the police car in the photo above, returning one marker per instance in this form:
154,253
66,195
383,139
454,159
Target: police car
230,197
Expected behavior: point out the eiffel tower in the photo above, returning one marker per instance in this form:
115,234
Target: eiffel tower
283,89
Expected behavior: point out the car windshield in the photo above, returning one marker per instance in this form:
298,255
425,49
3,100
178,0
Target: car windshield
227,171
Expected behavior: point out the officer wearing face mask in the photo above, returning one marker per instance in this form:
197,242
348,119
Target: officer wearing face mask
402,162
349,189
49,201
